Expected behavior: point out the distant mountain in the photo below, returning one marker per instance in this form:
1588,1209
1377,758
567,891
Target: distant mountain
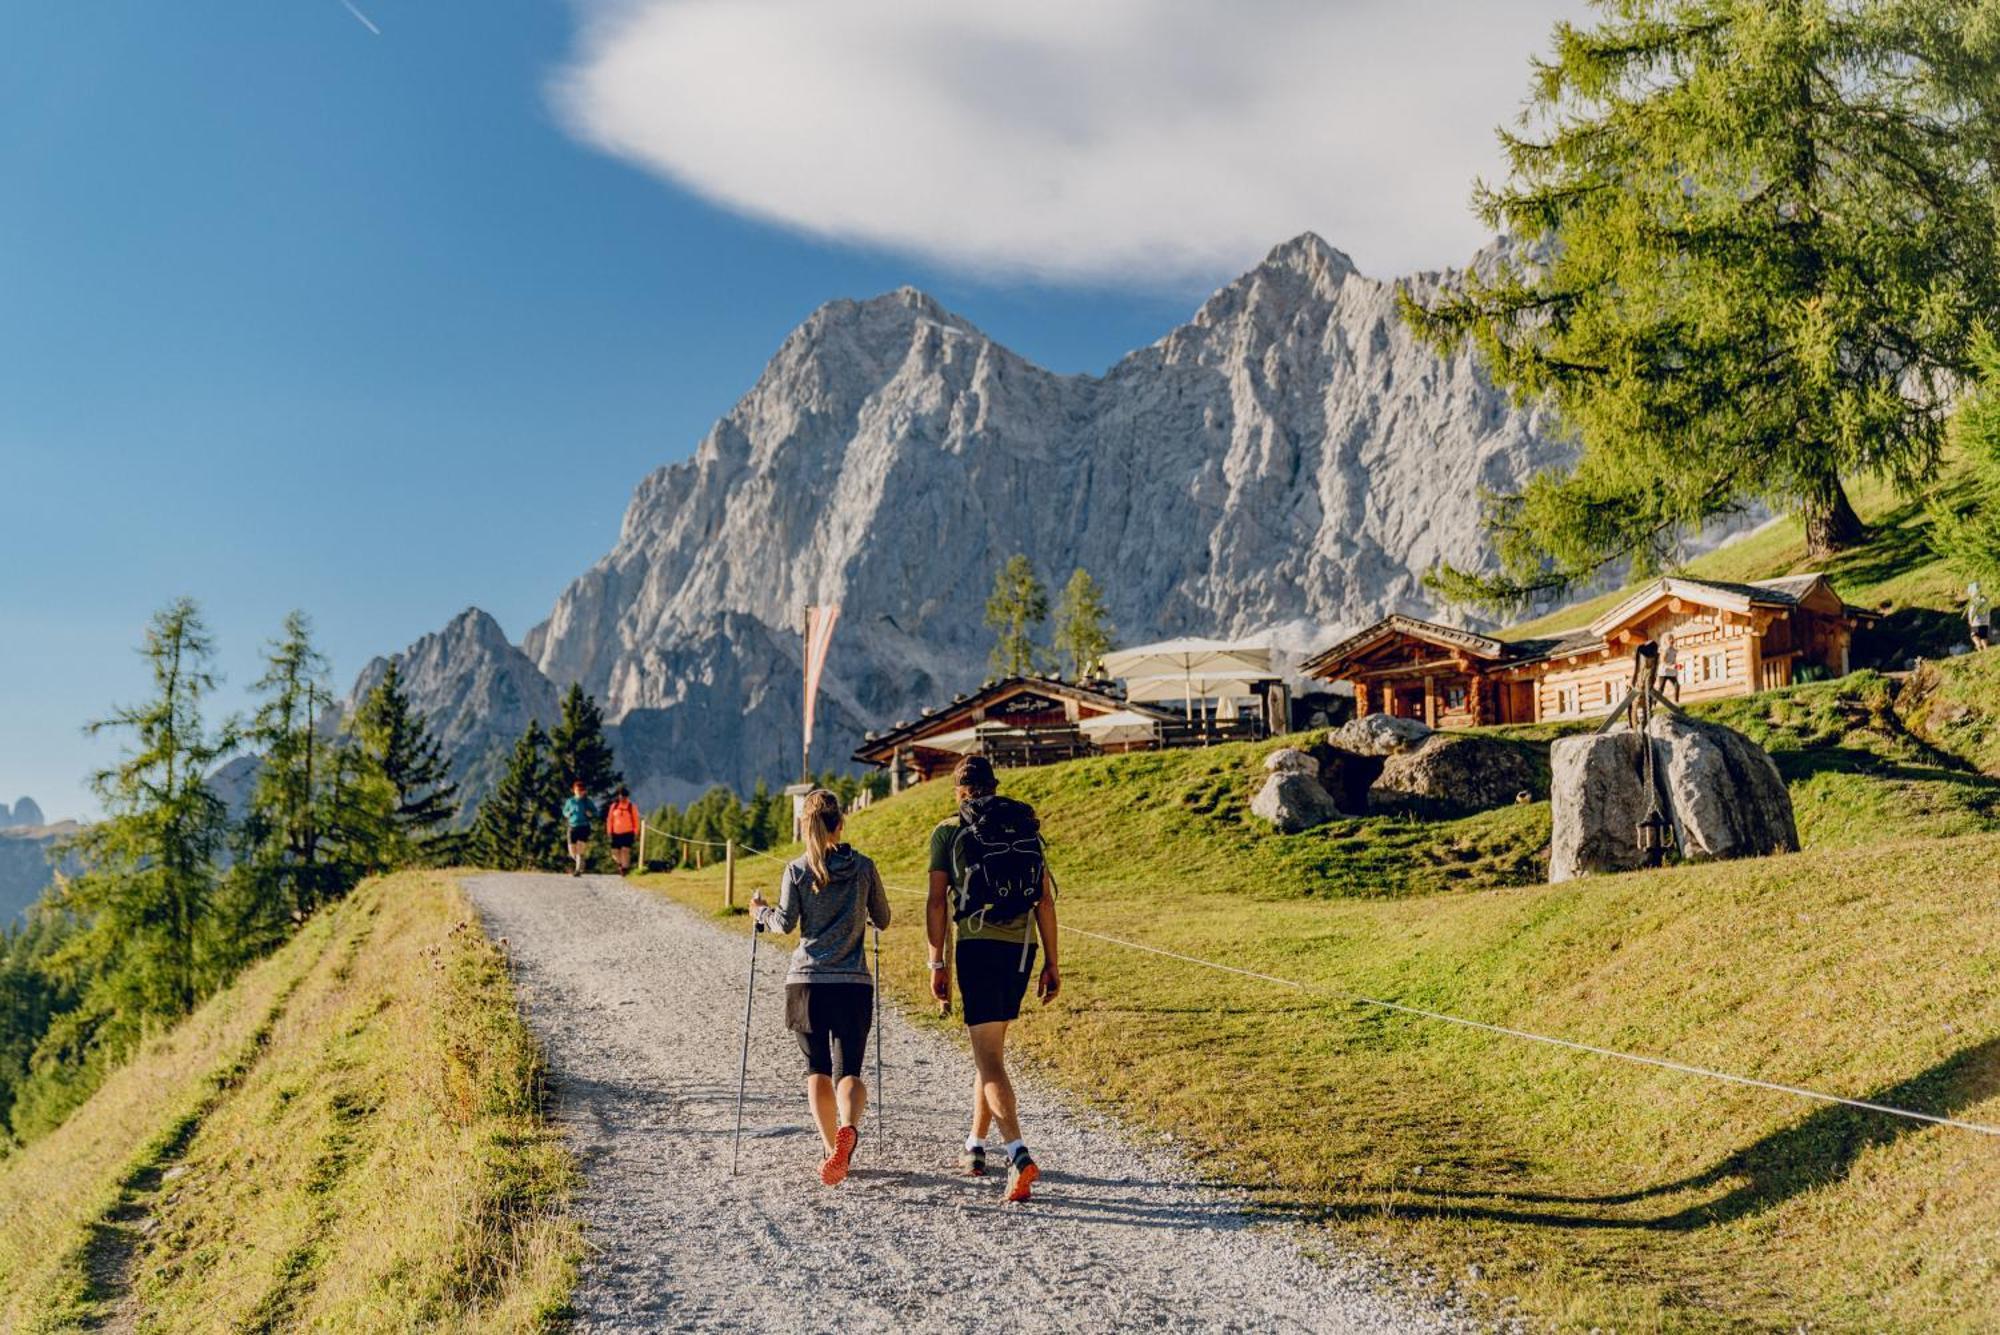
23,812
1290,458
25,869
476,689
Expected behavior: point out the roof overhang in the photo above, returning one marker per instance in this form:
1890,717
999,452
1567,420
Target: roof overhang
1327,664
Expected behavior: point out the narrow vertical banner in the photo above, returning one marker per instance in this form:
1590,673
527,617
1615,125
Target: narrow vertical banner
819,636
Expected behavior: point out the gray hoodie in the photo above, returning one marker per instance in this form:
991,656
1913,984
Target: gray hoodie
832,919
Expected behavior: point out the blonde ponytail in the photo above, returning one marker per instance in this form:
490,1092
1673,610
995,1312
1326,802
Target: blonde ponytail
822,820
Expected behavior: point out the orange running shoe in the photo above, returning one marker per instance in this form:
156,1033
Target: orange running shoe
1021,1175
834,1171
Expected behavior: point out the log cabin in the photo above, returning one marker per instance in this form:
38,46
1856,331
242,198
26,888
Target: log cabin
1728,639
1013,722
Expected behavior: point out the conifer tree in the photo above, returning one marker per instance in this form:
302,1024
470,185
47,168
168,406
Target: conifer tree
578,749
1967,529
411,759
143,952
517,827
1083,630
283,875
1753,240
1018,604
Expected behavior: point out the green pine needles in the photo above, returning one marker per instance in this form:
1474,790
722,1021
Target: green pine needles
1753,240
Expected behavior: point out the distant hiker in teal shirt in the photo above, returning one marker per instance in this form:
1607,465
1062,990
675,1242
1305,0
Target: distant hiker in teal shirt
578,812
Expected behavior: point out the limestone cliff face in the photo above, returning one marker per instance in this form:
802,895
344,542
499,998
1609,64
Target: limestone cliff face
1290,458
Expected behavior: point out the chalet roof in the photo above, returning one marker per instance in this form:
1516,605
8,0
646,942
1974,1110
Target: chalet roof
1449,637
948,718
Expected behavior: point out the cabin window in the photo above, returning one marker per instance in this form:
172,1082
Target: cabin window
1565,700
1454,697
1715,666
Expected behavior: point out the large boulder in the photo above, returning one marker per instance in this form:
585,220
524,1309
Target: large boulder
1378,734
1724,792
1597,797
1291,760
1472,773
1347,776
1293,801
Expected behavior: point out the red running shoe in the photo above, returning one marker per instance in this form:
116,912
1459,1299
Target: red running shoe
834,1171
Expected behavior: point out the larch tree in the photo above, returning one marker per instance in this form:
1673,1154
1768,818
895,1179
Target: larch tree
143,952
1083,630
1018,604
281,866
410,757
1752,241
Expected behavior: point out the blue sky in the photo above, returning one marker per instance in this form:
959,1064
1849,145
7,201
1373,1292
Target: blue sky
293,314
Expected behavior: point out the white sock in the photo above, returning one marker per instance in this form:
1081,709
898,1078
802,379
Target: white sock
1014,1147
974,1143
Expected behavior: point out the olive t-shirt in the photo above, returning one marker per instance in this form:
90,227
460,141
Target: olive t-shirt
1014,930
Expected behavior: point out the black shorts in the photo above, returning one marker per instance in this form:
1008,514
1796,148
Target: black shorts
832,1022
991,981
622,840
579,834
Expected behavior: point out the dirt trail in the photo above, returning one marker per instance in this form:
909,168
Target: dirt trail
639,1004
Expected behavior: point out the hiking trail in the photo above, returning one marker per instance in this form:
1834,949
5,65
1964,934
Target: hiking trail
638,1004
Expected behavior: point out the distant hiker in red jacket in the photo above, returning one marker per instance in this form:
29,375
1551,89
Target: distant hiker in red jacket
621,822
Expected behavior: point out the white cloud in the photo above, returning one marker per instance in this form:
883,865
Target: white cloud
1156,141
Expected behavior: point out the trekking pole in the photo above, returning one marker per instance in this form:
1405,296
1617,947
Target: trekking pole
743,1067
880,1117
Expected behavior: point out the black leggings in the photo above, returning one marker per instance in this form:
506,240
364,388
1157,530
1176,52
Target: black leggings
831,1022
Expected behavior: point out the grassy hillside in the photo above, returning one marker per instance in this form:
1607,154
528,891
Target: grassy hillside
348,1138
1579,1190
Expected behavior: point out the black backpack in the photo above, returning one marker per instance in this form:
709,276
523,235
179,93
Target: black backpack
996,860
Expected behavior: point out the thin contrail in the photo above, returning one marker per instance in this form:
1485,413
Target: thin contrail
366,22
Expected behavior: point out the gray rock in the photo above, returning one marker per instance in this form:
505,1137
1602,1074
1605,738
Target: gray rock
1471,773
1291,760
1721,790
1379,734
1293,802
26,812
1597,797
1727,798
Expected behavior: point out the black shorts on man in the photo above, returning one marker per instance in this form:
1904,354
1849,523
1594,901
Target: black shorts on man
622,840
579,834
991,979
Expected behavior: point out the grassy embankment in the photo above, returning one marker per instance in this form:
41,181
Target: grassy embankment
349,1137
1586,1192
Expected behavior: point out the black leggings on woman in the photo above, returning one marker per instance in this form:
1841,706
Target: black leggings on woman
831,1022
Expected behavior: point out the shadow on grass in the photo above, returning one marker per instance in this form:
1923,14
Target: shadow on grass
1816,1152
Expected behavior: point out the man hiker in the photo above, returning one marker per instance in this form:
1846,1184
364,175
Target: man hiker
989,878
621,822
578,812
1978,617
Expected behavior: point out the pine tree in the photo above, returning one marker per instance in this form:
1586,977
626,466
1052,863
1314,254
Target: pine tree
143,953
1756,237
281,873
1083,630
411,759
1018,604
578,750
1967,529
517,828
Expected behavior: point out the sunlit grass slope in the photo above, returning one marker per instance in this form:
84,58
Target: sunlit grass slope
349,1138
1585,1192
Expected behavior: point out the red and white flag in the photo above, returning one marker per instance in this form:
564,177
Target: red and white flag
819,635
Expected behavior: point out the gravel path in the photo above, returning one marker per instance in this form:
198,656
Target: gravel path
639,1004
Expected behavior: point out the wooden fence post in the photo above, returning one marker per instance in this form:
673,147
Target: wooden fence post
729,875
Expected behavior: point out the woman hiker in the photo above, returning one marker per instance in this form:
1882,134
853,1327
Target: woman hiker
830,894
621,823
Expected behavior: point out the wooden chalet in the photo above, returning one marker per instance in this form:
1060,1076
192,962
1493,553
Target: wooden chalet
1729,639
1013,722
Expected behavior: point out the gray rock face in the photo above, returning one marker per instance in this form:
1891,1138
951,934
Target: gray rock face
1378,735
25,812
477,691
1472,773
1722,791
1728,798
1288,458
1597,797
1293,801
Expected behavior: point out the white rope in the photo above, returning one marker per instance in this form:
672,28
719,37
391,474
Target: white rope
1640,1059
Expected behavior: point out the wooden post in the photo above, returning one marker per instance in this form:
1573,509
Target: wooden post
1430,701
642,844
729,875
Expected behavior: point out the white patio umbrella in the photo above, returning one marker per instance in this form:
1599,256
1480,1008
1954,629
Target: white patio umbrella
1192,660
1118,727
962,742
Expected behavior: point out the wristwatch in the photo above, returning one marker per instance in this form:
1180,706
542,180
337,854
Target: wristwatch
937,966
